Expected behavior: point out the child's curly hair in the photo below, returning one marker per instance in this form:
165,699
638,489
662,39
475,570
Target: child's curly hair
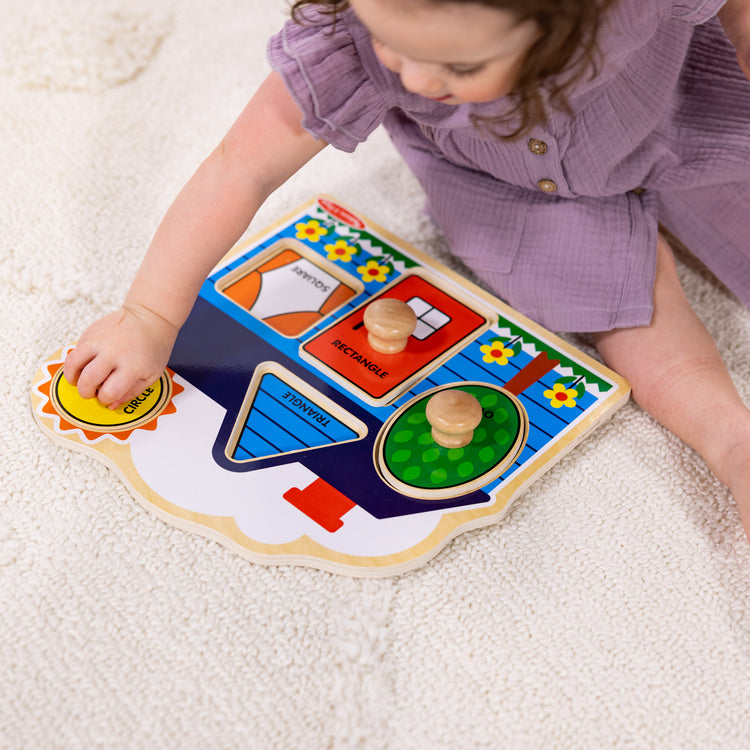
565,52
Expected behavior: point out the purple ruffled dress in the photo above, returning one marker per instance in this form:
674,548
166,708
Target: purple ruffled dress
553,221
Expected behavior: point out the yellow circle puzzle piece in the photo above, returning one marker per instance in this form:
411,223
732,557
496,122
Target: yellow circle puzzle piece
91,414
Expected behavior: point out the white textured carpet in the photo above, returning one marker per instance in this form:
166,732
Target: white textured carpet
609,609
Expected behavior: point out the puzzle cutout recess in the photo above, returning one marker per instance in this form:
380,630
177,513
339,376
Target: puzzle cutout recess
291,428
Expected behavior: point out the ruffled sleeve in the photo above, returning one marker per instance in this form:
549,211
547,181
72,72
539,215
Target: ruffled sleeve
322,66
695,11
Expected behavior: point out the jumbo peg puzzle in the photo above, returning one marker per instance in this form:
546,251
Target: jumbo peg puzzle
295,430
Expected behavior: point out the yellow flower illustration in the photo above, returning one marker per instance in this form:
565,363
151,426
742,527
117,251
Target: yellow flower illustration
340,250
561,396
310,230
373,271
496,352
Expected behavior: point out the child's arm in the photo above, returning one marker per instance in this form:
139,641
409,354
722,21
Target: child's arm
124,352
735,18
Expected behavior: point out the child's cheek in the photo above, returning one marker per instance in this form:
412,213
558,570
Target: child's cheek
388,58
487,90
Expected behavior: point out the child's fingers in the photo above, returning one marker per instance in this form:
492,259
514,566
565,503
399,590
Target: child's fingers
123,396
93,376
121,387
76,360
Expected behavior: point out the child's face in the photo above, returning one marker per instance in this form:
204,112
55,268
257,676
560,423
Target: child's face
449,52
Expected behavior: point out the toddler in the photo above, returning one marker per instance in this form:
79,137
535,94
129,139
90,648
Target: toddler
551,138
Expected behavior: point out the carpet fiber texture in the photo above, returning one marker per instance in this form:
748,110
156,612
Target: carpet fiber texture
609,609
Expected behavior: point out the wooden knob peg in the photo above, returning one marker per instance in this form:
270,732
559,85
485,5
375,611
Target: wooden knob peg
453,415
389,324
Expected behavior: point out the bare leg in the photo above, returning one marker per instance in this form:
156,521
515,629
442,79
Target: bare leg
671,365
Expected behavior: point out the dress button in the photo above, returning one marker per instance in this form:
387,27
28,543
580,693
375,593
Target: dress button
547,186
537,147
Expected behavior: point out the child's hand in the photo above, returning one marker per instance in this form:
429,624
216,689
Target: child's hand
120,355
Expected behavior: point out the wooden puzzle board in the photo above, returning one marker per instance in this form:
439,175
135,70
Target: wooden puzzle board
280,433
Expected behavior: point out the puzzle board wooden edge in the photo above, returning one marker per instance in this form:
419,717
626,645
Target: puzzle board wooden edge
286,499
